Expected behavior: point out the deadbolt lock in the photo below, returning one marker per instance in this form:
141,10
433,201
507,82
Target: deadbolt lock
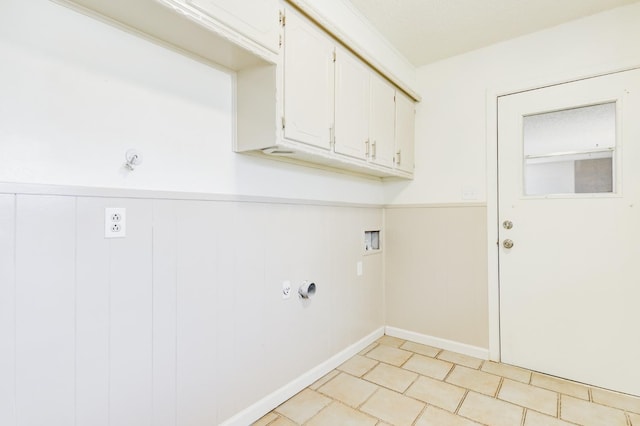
507,244
507,224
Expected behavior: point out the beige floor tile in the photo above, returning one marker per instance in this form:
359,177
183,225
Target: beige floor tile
367,349
434,416
391,377
475,380
283,421
420,349
393,408
358,365
348,389
435,392
428,366
590,414
635,419
321,381
490,411
266,419
537,419
340,414
539,399
389,354
559,385
303,406
616,400
508,371
391,341
467,361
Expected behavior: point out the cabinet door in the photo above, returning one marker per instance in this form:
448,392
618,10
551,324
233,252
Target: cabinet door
351,106
258,20
405,133
382,123
308,83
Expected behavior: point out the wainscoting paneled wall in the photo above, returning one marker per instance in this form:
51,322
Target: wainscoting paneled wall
436,274
183,321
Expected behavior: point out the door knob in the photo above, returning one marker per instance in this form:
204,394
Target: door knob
507,244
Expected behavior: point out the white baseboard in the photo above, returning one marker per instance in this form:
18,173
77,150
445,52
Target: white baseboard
269,402
450,345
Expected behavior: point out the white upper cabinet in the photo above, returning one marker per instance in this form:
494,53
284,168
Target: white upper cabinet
322,104
308,83
382,133
352,105
405,133
255,19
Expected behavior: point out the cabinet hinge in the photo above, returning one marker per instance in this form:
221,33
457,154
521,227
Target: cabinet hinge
283,122
283,19
334,55
280,40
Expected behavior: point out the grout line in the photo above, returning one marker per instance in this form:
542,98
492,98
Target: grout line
461,401
453,366
499,388
368,398
558,402
421,413
524,416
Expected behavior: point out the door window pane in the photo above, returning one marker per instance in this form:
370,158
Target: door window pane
570,151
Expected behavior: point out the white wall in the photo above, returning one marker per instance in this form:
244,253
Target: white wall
75,94
451,119
183,321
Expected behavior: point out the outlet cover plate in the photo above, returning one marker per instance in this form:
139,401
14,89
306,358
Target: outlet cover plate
115,222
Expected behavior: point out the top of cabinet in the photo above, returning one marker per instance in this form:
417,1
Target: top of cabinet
215,30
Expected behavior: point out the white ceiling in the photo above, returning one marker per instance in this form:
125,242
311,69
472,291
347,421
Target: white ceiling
428,30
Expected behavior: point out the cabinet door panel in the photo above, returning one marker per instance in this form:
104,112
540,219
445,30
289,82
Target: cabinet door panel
255,19
382,132
308,83
405,133
352,106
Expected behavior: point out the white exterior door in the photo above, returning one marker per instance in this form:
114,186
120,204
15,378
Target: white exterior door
569,201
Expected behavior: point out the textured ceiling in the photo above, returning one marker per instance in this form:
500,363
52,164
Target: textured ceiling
428,30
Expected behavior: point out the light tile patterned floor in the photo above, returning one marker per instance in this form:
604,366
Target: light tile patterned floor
397,382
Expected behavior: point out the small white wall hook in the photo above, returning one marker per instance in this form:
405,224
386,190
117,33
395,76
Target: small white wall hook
134,158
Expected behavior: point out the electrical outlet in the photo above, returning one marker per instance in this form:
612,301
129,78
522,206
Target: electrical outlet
115,222
359,268
286,289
